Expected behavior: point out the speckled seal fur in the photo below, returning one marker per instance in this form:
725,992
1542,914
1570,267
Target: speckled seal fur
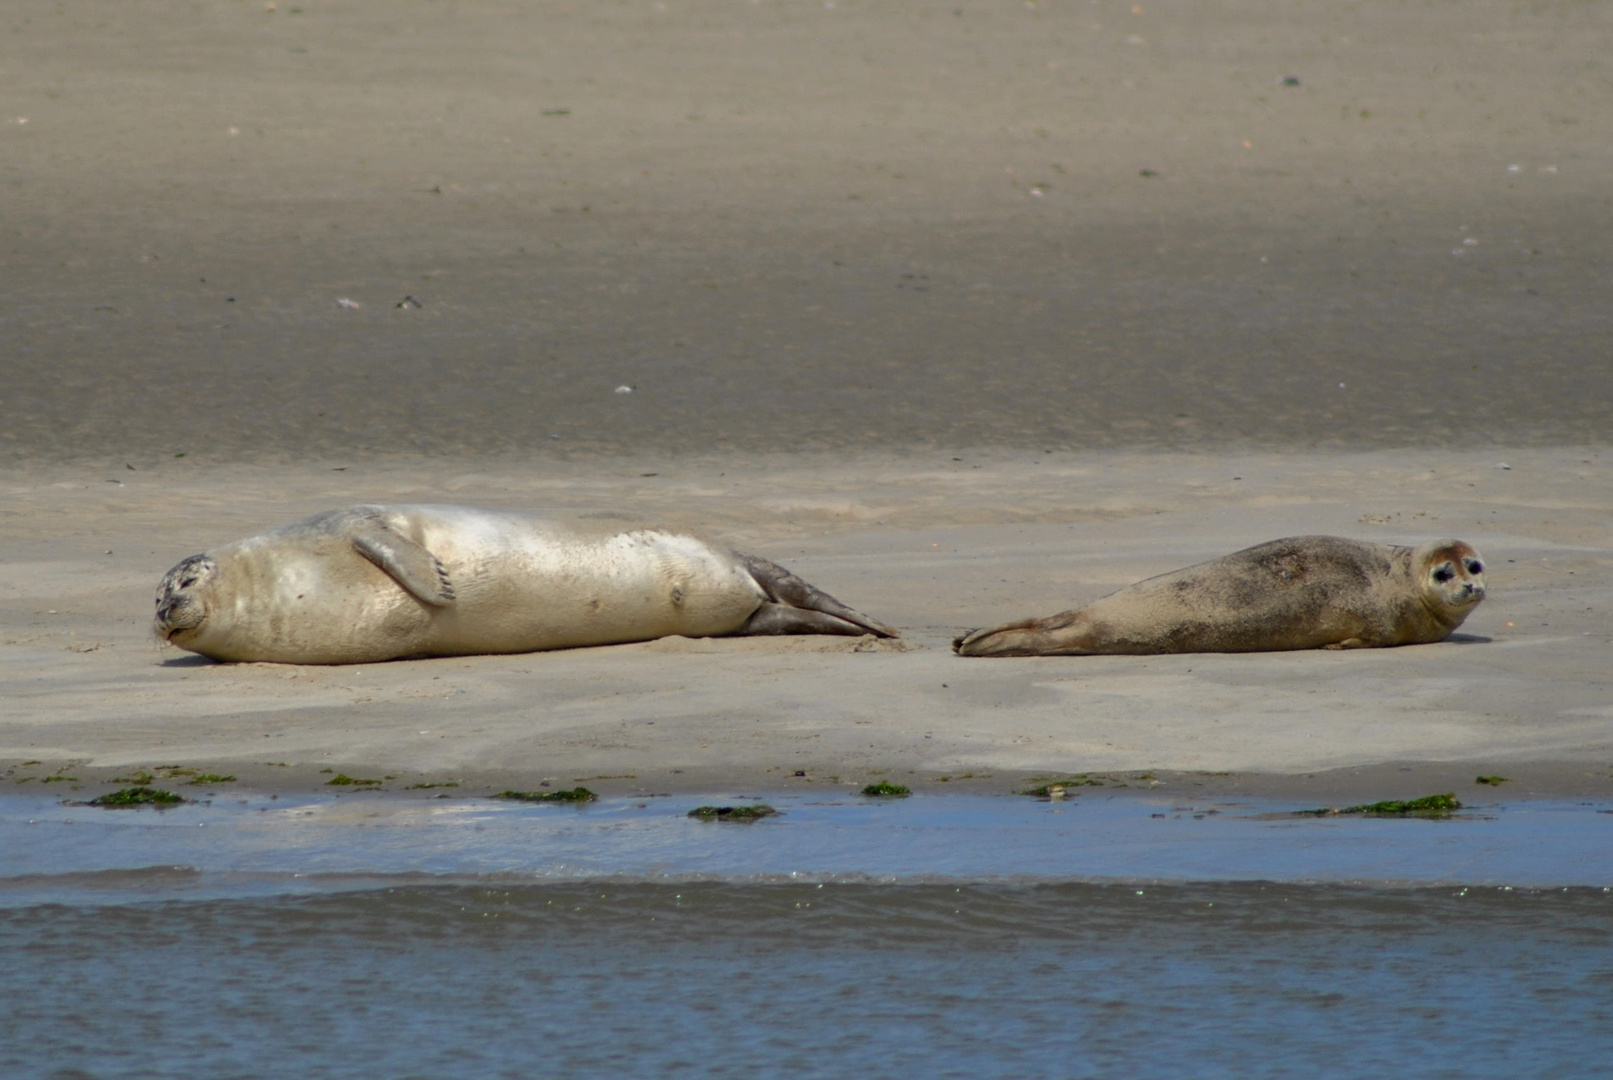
1304,592
372,583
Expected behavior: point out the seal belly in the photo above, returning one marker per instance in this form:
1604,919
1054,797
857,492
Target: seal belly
1245,605
548,589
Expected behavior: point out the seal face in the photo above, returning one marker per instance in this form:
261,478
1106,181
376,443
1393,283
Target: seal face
373,583
1303,592
179,603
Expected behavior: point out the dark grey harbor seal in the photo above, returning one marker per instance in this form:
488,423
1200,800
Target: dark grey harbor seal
1305,592
386,582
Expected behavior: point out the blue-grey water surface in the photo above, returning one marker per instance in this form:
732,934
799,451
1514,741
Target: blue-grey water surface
375,937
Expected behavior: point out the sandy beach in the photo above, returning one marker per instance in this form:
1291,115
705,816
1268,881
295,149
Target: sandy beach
932,544
963,312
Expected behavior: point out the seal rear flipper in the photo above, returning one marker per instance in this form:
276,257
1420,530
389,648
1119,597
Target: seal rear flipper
793,597
421,573
773,618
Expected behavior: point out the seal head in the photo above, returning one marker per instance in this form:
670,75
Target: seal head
1452,575
182,599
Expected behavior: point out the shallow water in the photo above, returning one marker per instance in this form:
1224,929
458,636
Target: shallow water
371,936
262,845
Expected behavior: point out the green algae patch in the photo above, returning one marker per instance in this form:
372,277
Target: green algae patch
1493,781
138,796
754,812
213,778
1427,806
137,779
438,784
341,779
574,795
887,790
1054,788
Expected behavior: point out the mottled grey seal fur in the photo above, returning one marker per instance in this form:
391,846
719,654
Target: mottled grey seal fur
1305,592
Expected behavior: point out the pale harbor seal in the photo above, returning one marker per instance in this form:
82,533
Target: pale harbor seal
1305,592
373,583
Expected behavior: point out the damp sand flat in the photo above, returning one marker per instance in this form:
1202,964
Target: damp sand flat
1076,226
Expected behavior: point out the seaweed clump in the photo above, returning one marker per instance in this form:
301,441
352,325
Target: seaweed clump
754,812
887,790
1055,789
142,778
1427,806
138,796
572,795
341,779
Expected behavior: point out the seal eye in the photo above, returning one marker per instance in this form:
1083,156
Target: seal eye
1444,574
1475,567
187,583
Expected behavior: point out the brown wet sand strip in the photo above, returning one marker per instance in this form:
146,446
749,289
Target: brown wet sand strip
1355,785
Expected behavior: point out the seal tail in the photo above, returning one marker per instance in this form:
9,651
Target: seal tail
796,607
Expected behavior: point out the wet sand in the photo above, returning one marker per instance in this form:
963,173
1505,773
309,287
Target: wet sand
962,312
788,225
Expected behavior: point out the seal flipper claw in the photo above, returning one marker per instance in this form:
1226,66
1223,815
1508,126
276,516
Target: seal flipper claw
421,573
799,608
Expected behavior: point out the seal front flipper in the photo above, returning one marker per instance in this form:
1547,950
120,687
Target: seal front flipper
799,608
1027,637
421,573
